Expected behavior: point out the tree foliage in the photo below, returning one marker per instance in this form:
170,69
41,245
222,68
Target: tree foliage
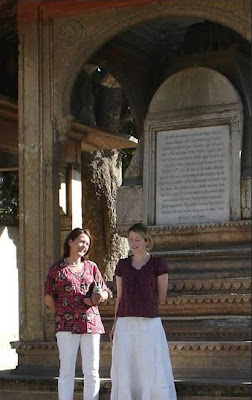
9,198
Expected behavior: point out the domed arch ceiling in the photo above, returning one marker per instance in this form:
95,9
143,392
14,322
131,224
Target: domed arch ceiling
142,17
142,57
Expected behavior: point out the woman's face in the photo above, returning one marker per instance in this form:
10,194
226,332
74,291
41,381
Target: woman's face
137,243
79,246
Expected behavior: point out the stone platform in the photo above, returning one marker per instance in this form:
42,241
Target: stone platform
32,386
202,371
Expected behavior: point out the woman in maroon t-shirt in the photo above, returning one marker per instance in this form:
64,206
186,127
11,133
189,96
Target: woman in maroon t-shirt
141,367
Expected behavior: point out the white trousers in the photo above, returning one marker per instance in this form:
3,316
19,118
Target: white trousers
68,344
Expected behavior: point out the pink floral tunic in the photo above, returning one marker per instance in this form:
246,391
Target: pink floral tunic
69,290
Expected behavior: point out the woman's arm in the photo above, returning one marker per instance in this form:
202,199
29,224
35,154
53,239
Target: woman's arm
49,302
118,299
162,286
118,293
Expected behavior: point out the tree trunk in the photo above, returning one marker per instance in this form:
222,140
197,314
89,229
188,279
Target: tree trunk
101,176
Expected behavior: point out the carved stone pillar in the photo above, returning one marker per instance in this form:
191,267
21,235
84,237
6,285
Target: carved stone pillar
38,170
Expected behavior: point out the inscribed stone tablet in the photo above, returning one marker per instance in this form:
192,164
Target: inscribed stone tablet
193,176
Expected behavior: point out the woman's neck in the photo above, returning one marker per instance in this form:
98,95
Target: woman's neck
73,261
140,256
138,260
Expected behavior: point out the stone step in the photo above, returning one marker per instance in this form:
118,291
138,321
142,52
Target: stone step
202,304
203,285
32,386
209,285
197,358
200,328
190,359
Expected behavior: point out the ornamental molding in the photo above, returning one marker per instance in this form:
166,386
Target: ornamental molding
225,284
188,229
199,347
30,345
173,345
246,197
209,299
204,303
208,335
210,346
203,227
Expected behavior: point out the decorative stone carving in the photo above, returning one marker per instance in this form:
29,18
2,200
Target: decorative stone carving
191,236
61,128
70,33
246,198
203,304
207,346
232,284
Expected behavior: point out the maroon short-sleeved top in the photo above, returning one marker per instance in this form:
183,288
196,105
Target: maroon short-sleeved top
69,290
139,287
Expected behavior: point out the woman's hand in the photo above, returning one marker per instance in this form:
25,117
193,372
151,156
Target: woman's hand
96,299
49,302
88,301
111,333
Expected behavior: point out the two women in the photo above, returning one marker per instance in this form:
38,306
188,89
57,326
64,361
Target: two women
141,367
73,290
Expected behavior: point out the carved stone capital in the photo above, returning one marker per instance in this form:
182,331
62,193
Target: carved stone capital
61,128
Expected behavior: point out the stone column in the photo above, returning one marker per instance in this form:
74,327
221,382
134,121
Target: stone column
38,170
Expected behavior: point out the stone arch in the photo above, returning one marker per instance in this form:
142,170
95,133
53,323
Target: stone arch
225,93
221,91
217,13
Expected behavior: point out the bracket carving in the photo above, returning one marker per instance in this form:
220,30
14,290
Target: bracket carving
61,128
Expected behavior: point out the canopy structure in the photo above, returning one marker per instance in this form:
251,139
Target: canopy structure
92,138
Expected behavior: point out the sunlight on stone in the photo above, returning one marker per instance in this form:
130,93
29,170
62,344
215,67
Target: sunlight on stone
8,299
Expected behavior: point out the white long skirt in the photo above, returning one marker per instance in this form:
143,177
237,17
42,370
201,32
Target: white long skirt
141,367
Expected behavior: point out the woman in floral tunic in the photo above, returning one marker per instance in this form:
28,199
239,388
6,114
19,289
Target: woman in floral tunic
74,288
